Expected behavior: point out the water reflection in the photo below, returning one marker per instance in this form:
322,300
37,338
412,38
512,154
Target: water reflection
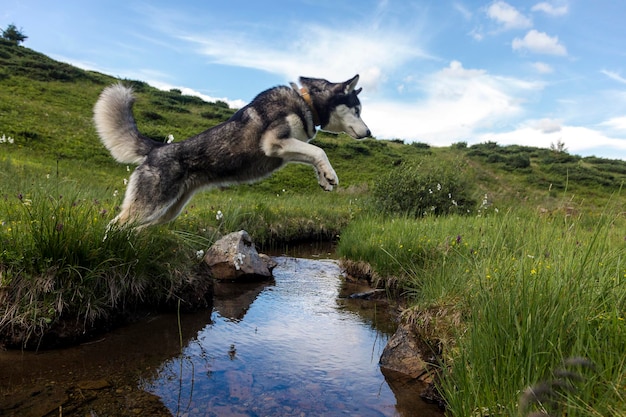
282,348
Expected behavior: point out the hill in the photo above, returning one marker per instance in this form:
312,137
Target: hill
46,108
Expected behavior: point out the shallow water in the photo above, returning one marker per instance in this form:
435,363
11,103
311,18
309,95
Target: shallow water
292,347
296,351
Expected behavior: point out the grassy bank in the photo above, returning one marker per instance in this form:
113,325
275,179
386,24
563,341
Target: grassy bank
510,296
60,277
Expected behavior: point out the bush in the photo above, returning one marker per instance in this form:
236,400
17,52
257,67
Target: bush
419,189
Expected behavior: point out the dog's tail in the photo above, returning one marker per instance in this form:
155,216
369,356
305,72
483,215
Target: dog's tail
113,116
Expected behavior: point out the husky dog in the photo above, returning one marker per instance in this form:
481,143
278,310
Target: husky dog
270,131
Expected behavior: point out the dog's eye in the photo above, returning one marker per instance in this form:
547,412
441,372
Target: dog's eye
357,111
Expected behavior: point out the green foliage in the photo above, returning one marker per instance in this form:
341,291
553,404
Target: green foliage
552,167
420,145
421,189
507,297
13,35
459,145
56,265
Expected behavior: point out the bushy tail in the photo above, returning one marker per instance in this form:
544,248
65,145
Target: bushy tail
116,126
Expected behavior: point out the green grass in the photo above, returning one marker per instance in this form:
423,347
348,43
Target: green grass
510,295
533,275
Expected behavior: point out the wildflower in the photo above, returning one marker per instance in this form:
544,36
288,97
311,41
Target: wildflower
199,254
458,239
438,187
115,193
125,181
219,216
59,227
170,138
127,168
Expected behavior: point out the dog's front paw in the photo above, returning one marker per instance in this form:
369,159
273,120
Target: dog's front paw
327,178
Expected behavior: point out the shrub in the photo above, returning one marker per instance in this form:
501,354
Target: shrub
459,145
419,189
420,145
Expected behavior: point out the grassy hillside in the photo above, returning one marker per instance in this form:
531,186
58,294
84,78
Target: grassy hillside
508,255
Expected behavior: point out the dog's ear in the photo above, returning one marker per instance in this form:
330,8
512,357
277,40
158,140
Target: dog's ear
357,91
350,85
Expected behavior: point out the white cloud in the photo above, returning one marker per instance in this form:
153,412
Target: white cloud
331,53
616,123
540,43
550,9
234,104
508,16
546,125
578,139
543,68
458,102
467,15
614,76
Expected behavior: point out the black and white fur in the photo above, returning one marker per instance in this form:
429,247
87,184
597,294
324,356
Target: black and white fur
270,131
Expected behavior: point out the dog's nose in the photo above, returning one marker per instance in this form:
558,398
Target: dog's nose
368,133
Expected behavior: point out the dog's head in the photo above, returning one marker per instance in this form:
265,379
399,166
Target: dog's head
337,105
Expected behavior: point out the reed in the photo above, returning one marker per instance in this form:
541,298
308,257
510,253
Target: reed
524,292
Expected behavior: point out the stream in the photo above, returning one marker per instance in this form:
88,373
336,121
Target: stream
294,346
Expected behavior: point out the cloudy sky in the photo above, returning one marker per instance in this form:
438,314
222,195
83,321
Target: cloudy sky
440,71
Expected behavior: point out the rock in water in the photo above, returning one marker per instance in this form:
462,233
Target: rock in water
235,258
405,353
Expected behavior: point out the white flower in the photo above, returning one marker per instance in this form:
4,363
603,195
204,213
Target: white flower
127,168
199,254
219,216
115,192
170,138
125,181
238,261
438,187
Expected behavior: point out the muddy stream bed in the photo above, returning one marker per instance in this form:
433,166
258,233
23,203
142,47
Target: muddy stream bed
295,346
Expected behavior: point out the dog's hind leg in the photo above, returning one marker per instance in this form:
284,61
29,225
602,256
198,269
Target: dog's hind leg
176,207
143,204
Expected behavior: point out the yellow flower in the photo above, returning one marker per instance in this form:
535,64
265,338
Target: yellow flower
533,271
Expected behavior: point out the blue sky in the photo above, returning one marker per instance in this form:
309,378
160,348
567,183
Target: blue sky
441,71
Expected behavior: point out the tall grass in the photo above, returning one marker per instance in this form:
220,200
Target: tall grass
56,267
522,291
